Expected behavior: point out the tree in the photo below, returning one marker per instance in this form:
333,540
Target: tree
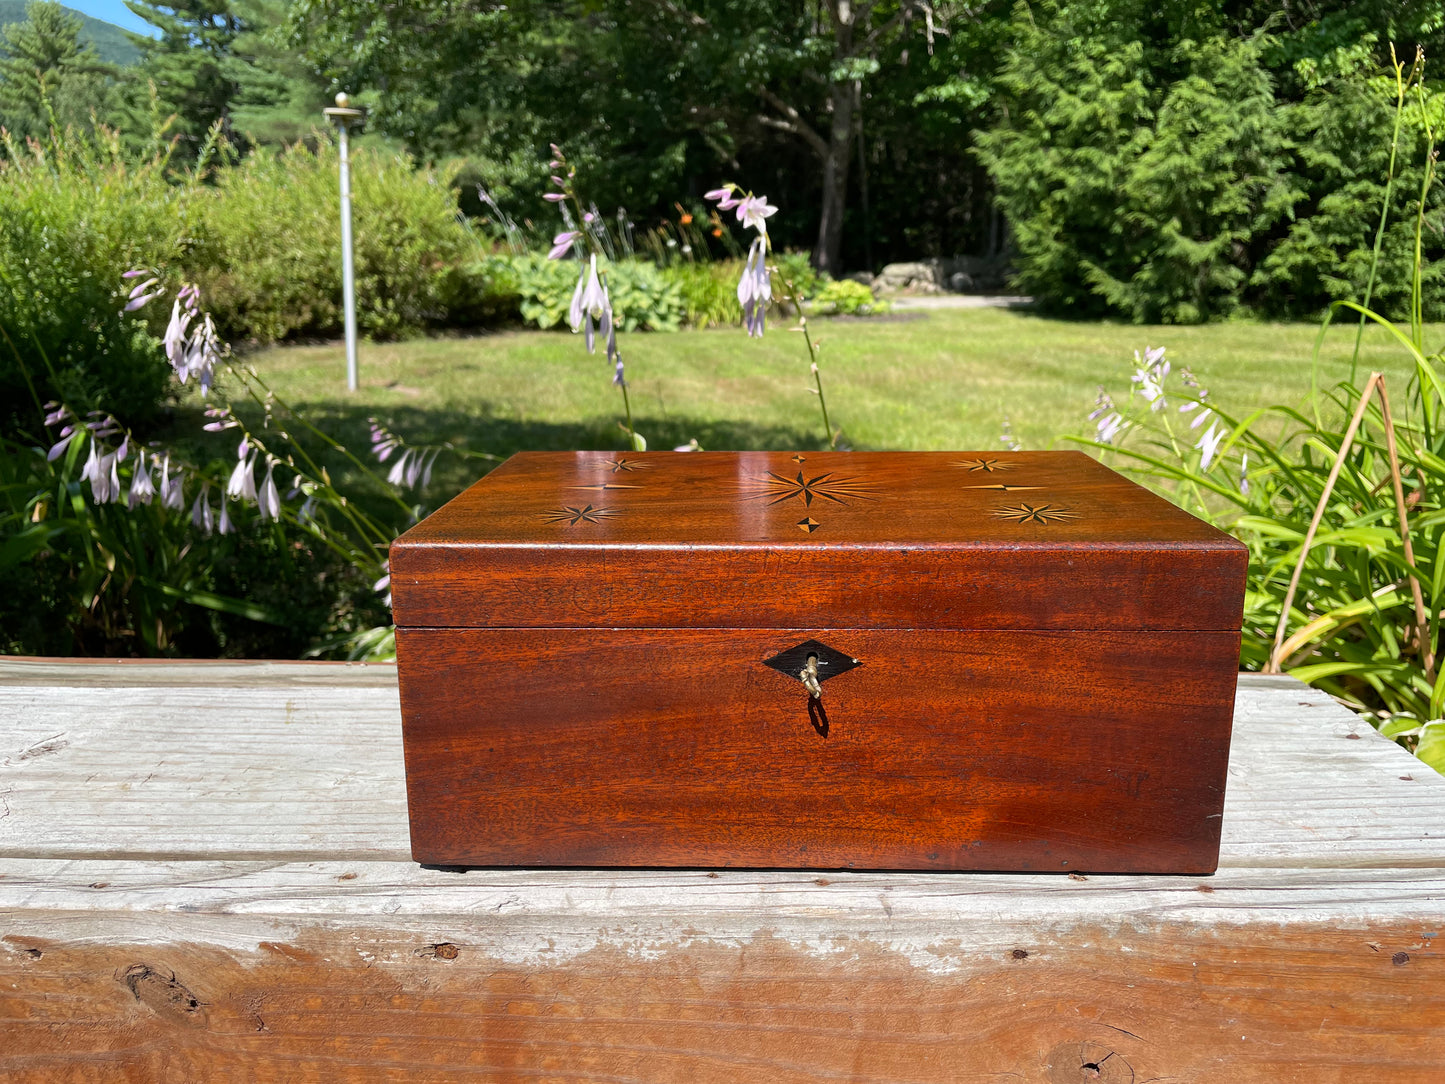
659,98
47,76
846,46
187,63
278,96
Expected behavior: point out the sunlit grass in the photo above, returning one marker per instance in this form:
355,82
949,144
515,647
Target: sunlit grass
940,380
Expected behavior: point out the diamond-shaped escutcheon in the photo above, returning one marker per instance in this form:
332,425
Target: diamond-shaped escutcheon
831,661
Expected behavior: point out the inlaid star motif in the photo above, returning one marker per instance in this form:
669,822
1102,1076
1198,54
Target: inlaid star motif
775,489
569,516
1003,488
618,465
606,486
809,524
988,466
798,458
1036,513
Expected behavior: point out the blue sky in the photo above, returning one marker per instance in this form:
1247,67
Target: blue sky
112,11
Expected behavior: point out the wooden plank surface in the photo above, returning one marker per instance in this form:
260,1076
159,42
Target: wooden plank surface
208,880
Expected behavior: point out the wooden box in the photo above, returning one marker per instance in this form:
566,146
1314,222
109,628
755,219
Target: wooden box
1023,662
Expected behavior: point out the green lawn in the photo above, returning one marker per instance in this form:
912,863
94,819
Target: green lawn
941,380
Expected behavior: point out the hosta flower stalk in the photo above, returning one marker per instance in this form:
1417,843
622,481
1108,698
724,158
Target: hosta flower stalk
590,312
755,288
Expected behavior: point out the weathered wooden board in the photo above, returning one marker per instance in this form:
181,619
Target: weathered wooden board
207,880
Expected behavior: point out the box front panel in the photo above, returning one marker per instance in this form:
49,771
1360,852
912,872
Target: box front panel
703,747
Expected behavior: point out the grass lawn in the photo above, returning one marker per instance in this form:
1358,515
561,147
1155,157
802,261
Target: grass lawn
944,379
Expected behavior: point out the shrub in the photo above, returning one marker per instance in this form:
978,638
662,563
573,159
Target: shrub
1176,177
74,215
847,298
270,261
1131,189
643,298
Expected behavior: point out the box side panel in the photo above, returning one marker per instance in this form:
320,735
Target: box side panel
1037,751
1159,587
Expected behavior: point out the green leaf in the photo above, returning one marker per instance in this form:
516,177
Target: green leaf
222,603
24,545
1432,745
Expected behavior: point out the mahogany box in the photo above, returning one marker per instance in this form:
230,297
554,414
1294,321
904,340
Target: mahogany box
958,661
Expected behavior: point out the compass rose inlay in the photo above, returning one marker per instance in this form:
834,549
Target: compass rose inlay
775,489
988,466
616,466
569,516
1036,513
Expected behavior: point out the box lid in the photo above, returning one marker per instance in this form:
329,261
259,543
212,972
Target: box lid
958,540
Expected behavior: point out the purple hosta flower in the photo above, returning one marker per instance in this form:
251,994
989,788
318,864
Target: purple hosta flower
176,333
1209,444
1110,426
103,475
590,303
1150,376
383,441
221,419
1007,438
57,413
201,356
384,584
139,295
101,425
562,243
269,500
1244,474
1199,403
755,287
224,526
306,514
172,493
96,473
242,483
1108,421
201,515
412,468
58,448
192,351
142,489
726,199
752,212
619,379
554,197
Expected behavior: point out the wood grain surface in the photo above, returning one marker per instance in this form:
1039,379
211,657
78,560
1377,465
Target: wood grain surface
1038,540
942,750
211,883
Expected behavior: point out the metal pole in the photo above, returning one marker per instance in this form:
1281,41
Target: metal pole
348,279
344,116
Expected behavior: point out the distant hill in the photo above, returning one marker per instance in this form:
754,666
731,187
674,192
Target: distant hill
109,40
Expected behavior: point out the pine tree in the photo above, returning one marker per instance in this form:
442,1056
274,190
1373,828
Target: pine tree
187,63
47,76
279,96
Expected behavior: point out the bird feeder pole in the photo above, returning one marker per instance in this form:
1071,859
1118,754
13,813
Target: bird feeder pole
344,117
